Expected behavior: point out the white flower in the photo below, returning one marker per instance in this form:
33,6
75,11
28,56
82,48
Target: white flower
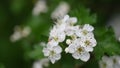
41,63
53,53
20,33
40,7
88,27
60,11
106,62
57,35
16,36
53,42
116,61
89,43
80,41
70,30
69,20
85,31
77,51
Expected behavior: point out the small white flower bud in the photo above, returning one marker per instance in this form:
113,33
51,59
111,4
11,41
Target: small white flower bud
68,41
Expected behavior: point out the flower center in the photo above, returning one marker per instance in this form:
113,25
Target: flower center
52,53
80,50
87,42
56,38
84,32
73,37
114,61
104,65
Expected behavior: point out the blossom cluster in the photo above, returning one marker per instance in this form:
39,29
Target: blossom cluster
110,62
20,33
79,39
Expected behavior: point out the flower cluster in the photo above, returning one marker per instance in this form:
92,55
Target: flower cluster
20,33
79,39
110,62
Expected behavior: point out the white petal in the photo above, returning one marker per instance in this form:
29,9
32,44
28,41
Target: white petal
85,56
46,52
52,59
66,17
61,27
89,49
69,32
61,37
57,49
88,27
76,55
71,48
57,56
73,20
52,43
90,35
94,42
78,33
117,66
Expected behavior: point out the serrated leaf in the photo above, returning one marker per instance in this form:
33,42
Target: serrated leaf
107,44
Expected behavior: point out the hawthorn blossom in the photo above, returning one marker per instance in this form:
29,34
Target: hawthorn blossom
52,52
106,62
89,43
40,7
57,35
68,20
110,62
61,10
41,63
86,30
70,30
80,39
20,33
116,61
78,51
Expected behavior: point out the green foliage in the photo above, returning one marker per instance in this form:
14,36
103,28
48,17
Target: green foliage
37,52
84,16
107,44
2,66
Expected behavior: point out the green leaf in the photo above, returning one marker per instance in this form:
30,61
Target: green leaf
37,52
83,15
107,44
